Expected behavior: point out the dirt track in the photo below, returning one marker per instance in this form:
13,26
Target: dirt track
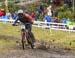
36,53
17,52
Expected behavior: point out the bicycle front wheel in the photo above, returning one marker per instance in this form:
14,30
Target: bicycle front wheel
23,38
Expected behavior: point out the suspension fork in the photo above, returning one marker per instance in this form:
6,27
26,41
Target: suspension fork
23,32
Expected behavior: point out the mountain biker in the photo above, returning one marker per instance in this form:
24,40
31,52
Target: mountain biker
26,20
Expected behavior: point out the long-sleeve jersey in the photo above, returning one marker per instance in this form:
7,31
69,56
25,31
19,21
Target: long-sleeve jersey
24,18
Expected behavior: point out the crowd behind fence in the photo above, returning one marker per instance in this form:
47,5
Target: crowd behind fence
49,25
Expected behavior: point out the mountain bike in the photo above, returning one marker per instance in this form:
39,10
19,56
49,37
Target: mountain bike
25,35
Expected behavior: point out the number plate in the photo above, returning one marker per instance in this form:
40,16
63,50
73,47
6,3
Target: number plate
22,26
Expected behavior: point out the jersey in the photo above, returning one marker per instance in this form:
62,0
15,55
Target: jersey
24,18
28,17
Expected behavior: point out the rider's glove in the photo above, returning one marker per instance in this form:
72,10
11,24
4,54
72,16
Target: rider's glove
13,25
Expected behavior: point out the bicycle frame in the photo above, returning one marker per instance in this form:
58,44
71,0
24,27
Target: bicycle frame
23,35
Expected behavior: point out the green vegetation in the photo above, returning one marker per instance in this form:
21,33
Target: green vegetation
9,29
66,12
62,10
63,38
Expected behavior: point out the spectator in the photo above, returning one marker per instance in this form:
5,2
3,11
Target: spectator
8,14
2,12
54,12
69,24
64,20
41,8
47,18
57,20
14,15
33,14
37,14
49,11
57,2
68,3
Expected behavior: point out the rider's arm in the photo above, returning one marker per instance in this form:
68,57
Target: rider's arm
16,20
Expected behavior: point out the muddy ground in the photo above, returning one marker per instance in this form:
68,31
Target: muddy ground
43,50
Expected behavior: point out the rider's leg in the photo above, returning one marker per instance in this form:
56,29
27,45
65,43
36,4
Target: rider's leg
23,31
29,27
32,36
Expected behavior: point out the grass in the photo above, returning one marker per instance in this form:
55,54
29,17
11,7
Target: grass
63,38
7,29
6,44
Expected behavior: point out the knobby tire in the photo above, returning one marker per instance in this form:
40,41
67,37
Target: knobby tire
23,43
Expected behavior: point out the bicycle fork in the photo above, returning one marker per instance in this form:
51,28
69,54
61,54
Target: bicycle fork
23,39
